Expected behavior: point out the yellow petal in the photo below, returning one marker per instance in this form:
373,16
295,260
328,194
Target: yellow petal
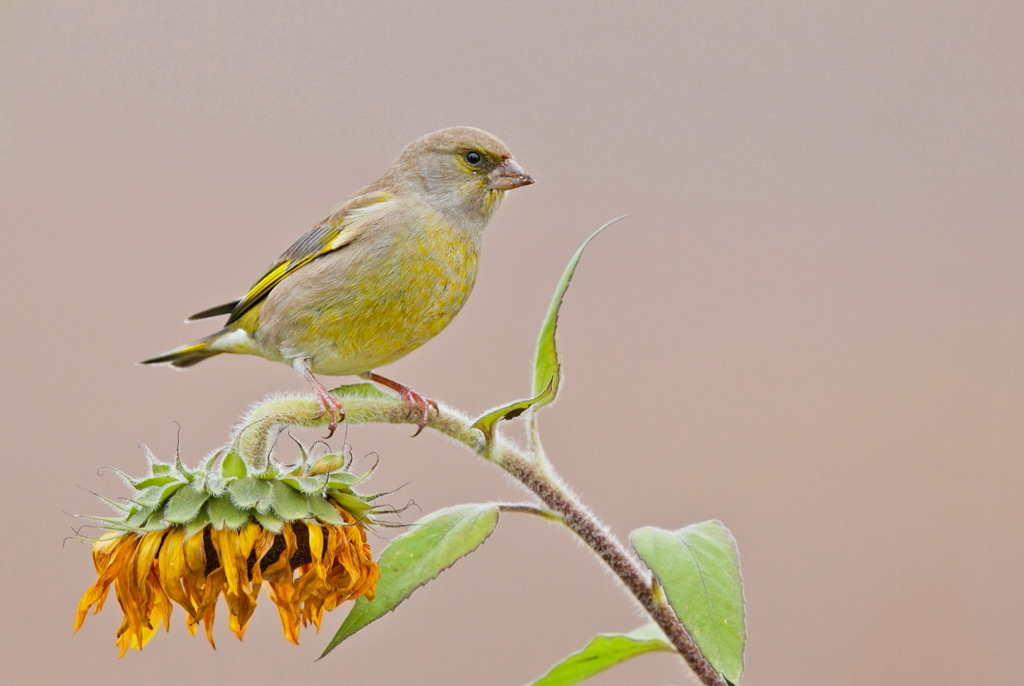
172,569
148,547
195,552
281,594
316,541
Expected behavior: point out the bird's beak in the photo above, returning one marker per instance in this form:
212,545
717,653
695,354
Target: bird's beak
508,175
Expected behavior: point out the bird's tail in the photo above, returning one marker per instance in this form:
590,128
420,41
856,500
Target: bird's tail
188,355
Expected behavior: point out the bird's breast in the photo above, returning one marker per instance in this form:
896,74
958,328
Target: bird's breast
364,307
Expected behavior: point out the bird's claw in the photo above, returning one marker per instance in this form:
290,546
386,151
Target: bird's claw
331,406
411,397
417,401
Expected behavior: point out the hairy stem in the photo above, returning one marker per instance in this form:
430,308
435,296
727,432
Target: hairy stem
546,485
254,439
530,508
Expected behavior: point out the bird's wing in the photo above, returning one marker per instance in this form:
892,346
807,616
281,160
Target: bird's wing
343,226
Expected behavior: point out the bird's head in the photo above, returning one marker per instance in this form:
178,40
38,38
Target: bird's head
461,171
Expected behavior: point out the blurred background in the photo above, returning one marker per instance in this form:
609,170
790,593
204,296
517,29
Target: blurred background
811,326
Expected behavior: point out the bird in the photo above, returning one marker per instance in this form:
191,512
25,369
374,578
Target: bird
376,278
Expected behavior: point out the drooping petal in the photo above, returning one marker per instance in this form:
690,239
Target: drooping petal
310,568
172,569
233,548
281,594
148,548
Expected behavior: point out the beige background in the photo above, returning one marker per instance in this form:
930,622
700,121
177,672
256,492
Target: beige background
811,327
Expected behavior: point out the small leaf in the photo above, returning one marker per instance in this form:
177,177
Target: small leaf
355,505
224,515
154,496
547,363
270,472
179,467
326,464
249,492
604,651
184,505
325,512
150,497
342,480
698,567
306,484
210,460
233,465
137,518
486,422
197,524
289,504
269,522
160,468
155,481
215,485
154,522
433,544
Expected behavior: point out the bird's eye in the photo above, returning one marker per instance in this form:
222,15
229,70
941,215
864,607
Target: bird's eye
473,157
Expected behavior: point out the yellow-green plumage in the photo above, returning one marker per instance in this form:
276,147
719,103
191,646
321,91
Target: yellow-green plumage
379,276
350,313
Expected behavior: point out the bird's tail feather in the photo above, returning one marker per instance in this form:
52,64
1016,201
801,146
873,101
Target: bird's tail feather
188,355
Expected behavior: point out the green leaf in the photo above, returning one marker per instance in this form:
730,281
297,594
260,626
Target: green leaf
306,484
547,365
269,522
154,496
150,497
215,485
154,522
270,472
289,504
180,468
324,511
210,460
343,480
233,465
433,544
486,422
197,524
326,464
356,506
154,481
698,566
249,492
224,515
160,468
137,518
604,651
184,505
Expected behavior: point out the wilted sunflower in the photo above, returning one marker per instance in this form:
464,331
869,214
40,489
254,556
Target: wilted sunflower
190,537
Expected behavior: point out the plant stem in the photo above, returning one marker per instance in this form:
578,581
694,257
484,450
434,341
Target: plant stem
539,476
530,508
533,471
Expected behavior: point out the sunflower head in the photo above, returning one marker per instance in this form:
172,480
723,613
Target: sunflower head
191,536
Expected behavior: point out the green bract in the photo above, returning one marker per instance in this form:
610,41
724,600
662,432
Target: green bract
224,494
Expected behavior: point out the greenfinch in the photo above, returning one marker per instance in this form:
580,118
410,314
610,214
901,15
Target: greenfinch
379,276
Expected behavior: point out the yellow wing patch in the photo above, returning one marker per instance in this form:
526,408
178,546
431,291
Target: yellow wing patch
320,240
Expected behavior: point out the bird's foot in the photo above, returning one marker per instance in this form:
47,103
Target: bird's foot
329,404
414,399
